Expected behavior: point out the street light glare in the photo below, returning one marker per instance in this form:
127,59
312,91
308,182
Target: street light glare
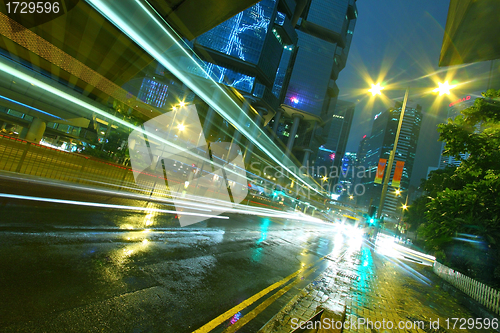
405,206
376,89
444,88
398,192
182,104
180,127
325,178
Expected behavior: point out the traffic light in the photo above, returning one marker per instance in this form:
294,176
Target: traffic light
371,211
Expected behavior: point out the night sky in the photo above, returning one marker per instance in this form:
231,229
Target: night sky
398,43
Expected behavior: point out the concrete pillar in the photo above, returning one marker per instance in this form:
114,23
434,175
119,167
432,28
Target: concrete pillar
314,128
23,133
277,118
307,154
209,119
36,130
259,117
295,126
207,124
308,151
237,134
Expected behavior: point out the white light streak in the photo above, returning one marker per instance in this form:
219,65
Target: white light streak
102,205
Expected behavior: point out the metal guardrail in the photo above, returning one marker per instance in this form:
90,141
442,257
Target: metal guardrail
24,157
30,158
483,294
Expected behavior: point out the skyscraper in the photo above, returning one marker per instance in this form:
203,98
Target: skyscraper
324,30
250,52
379,145
245,52
336,132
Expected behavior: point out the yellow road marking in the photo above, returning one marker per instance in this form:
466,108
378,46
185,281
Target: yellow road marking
261,307
229,313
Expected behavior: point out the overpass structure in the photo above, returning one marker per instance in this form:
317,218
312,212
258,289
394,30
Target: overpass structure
71,70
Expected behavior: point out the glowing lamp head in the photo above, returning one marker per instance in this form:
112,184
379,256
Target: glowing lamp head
376,89
182,104
181,127
444,88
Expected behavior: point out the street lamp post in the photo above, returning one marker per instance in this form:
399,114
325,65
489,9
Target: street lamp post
391,157
401,220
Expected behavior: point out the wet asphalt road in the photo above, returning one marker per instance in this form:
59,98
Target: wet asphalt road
71,268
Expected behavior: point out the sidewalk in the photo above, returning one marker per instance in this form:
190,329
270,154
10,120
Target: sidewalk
369,287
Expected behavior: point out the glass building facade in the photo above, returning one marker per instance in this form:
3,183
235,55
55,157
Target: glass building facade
243,35
250,51
153,93
379,145
308,85
324,31
312,84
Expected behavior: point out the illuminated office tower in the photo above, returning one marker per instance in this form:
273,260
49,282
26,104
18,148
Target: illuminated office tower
251,52
325,30
379,145
337,129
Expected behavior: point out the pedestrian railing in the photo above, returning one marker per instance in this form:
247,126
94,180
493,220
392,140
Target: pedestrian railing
480,292
30,158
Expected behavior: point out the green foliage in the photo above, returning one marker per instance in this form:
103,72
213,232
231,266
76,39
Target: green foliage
477,132
438,181
111,150
459,217
472,210
415,215
441,179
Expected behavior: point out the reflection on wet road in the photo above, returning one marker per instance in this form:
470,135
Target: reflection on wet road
67,268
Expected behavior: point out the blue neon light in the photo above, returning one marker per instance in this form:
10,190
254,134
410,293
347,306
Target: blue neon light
30,107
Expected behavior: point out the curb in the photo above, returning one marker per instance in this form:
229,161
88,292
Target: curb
323,298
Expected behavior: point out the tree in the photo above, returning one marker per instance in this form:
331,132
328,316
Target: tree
438,181
461,217
415,215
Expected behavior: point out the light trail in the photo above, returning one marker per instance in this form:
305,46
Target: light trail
387,246
29,107
159,31
101,205
190,202
5,67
